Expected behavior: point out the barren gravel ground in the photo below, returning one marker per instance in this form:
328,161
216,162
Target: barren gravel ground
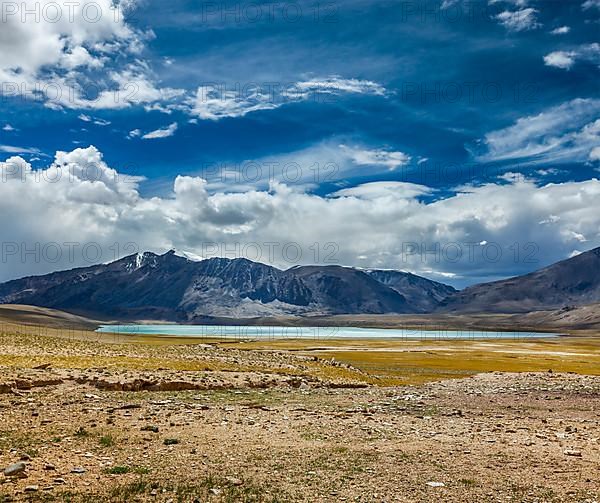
198,423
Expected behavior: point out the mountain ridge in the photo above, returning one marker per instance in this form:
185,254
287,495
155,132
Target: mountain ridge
176,288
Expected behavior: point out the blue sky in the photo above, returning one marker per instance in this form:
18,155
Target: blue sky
422,102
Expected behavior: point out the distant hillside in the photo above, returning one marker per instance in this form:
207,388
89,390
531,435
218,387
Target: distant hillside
424,295
572,281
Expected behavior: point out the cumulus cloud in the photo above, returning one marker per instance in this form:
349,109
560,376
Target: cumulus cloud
160,133
395,190
566,59
519,20
217,102
65,54
82,200
560,59
561,30
566,132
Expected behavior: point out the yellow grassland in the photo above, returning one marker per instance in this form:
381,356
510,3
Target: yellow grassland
380,362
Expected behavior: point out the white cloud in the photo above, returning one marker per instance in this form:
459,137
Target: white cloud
161,133
560,59
564,133
393,190
566,59
336,85
60,52
8,128
590,4
217,102
11,149
50,33
134,133
380,157
371,224
305,169
595,154
520,20
518,3
95,120
213,104
561,30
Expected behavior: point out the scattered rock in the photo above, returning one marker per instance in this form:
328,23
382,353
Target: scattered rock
572,452
234,481
15,470
78,469
31,489
436,484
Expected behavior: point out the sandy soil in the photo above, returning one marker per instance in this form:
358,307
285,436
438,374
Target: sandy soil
205,423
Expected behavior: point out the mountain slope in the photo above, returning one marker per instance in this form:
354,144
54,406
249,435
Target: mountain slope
572,281
422,294
174,288
350,290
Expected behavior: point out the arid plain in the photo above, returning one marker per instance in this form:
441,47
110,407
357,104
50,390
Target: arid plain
90,417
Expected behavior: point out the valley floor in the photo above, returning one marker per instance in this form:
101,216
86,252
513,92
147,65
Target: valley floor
164,421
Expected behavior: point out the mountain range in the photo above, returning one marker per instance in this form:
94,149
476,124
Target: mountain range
174,288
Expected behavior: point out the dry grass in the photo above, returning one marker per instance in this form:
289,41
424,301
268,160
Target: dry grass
414,362
382,362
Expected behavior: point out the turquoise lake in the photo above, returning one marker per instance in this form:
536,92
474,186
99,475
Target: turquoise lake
315,333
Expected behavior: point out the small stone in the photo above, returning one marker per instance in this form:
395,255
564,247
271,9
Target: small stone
78,469
15,470
436,484
572,452
234,481
214,491
60,480
32,489
49,467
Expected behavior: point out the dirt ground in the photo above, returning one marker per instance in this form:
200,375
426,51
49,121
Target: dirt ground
101,422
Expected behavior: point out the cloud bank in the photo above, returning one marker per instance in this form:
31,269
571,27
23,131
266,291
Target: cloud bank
80,199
